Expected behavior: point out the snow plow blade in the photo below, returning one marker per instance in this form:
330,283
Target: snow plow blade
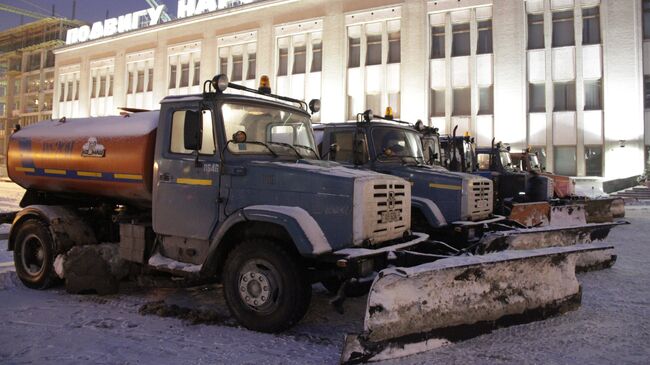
419,308
543,237
604,210
542,214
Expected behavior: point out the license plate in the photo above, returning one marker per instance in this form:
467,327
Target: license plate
390,216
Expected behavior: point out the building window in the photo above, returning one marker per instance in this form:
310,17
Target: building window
299,60
140,80
68,94
536,98
237,68
283,65
462,102
438,103
460,42
484,37
376,89
564,96
565,160
252,65
594,160
101,101
535,31
373,52
394,47
646,91
646,19
591,26
49,59
317,56
593,95
486,100
184,69
437,42
563,32
34,62
354,52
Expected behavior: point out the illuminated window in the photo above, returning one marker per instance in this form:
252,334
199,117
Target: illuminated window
486,100
536,98
237,68
373,54
394,47
460,42
594,160
535,31
565,160
238,58
437,103
317,58
101,75
591,26
354,52
139,67
593,95
283,63
564,96
484,37
438,42
184,70
563,32
646,19
462,102
299,60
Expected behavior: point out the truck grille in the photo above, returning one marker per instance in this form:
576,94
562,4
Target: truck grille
386,212
479,199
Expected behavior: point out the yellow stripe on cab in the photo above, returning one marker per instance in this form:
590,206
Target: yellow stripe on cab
187,181
445,186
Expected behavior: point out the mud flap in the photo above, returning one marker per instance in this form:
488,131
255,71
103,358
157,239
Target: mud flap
534,238
411,310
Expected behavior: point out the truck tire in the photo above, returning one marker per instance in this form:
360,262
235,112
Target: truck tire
265,286
34,255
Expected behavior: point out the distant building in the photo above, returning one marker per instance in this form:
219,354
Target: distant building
564,77
27,73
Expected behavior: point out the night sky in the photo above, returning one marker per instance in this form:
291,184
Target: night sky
87,10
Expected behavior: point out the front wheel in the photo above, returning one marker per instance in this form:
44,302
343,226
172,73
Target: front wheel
265,286
34,255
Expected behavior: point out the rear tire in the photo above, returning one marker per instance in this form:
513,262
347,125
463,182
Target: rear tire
265,286
34,255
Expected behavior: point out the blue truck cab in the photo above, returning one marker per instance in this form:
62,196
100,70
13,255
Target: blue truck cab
448,205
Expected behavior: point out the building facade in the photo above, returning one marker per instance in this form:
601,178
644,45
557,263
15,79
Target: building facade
564,77
27,73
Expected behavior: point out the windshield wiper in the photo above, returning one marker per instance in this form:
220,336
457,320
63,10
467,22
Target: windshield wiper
254,142
289,146
308,148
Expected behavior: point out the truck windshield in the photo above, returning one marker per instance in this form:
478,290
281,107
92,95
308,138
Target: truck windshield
431,150
393,143
506,161
267,130
534,163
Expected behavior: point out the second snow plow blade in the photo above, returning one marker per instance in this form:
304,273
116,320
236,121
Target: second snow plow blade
543,237
414,309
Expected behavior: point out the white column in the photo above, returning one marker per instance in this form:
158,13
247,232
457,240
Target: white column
414,61
333,107
509,35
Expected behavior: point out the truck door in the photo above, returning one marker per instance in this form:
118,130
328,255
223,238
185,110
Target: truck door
186,183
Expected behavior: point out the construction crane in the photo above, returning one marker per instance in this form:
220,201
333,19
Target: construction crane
154,4
19,11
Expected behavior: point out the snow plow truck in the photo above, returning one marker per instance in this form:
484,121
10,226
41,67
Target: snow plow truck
229,187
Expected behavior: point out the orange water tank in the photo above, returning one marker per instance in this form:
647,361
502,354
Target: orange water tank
109,157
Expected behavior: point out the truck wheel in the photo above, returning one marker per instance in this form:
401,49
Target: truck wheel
34,255
265,287
353,290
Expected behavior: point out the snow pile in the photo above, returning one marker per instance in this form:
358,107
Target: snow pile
8,280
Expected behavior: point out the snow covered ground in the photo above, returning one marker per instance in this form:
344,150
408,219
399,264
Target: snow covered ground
612,326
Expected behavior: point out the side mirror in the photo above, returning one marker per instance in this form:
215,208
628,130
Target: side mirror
193,131
331,153
314,106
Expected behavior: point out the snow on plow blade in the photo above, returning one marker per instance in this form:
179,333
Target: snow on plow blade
553,236
415,309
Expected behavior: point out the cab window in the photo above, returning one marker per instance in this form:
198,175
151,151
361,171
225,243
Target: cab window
177,144
344,141
483,161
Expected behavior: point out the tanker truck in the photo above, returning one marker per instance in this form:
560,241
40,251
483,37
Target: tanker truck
229,188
